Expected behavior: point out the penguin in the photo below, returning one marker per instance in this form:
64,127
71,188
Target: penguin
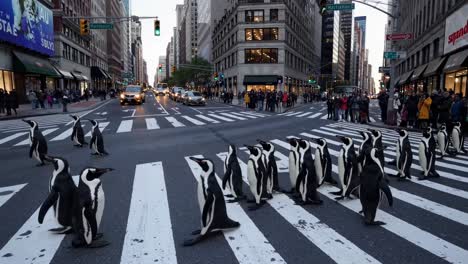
97,141
257,176
271,167
89,207
232,179
347,169
372,187
294,158
458,139
442,140
323,163
77,134
366,145
212,205
404,155
37,142
427,154
307,183
62,192
377,143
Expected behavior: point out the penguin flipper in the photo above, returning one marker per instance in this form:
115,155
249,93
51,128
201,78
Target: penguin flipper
50,200
33,147
386,190
91,220
207,214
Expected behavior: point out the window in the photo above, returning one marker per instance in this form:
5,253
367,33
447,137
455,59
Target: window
258,34
254,16
436,48
261,56
273,14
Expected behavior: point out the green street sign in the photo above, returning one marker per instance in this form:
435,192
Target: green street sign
101,26
339,7
391,55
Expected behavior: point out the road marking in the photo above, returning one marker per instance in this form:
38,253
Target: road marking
175,110
125,126
233,116
372,119
174,122
254,113
149,219
325,238
152,123
7,192
102,126
245,115
324,117
164,109
90,111
294,113
304,114
247,242
44,133
200,112
220,117
64,135
194,121
314,115
208,119
14,136
25,129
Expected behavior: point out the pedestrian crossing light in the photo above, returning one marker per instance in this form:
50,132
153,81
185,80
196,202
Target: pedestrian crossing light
157,28
215,76
84,27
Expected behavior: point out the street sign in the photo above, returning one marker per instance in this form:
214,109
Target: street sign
339,7
391,55
101,26
384,69
399,36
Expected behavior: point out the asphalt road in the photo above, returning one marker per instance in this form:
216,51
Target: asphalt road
151,202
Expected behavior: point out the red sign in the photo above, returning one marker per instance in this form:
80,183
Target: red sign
399,36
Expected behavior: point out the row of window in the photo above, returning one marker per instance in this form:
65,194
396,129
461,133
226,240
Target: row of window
221,49
419,58
295,62
74,36
261,56
258,16
75,55
227,62
258,34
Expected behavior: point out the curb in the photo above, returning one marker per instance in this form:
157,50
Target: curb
47,114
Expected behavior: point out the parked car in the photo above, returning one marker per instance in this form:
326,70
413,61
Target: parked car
193,98
133,94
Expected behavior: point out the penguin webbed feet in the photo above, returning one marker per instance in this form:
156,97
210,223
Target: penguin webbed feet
78,243
374,223
199,238
339,198
337,193
40,164
62,230
196,232
256,206
235,200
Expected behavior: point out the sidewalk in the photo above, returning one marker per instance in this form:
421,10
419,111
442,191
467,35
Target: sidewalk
25,110
235,102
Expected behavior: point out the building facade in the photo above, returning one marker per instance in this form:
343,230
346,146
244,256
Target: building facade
161,75
114,44
436,57
346,26
177,34
359,56
137,51
99,67
267,45
170,58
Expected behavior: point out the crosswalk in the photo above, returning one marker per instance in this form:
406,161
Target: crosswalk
45,121
321,114
427,224
20,138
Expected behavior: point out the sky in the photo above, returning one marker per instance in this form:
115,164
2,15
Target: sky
153,46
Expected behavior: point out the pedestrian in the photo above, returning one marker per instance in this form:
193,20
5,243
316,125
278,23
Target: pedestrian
434,115
396,107
457,109
246,99
366,101
337,107
445,103
364,109
424,108
344,108
261,99
2,101
50,101
14,101
330,108
412,109
285,99
383,104
355,105
65,101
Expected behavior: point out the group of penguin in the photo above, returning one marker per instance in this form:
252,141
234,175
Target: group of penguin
78,208
38,144
360,174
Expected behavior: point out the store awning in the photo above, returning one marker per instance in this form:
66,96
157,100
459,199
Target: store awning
29,64
434,66
397,80
85,78
456,61
77,76
405,77
65,74
97,73
106,74
418,72
260,79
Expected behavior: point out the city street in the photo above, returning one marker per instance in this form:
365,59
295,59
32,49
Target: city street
151,204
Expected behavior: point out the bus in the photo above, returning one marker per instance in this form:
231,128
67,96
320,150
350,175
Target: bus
346,89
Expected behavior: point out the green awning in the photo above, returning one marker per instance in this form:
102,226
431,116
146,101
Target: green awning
33,65
261,79
457,61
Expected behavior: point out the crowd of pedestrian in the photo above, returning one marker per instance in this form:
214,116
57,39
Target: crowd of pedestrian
353,108
8,102
421,110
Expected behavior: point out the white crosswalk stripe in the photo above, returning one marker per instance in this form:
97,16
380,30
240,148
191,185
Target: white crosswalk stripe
324,117
221,117
7,192
102,126
194,121
315,115
44,133
151,123
304,114
125,126
233,116
208,119
245,115
174,122
12,137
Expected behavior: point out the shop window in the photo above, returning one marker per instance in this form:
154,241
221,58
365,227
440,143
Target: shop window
7,80
450,81
254,16
261,56
259,34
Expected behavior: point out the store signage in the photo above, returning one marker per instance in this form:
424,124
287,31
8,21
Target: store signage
399,36
29,25
456,30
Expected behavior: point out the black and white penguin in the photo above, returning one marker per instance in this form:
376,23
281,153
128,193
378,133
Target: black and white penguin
372,186
307,183
37,142
257,176
78,134
294,159
377,143
62,192
365,147
442,140
97,141
89,208
211,201
347,168
427,154
323,162
233,175
458,139
271,166
404,155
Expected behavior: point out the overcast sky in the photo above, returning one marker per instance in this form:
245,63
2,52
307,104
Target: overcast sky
153,47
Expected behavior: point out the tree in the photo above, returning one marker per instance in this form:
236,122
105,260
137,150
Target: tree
198,71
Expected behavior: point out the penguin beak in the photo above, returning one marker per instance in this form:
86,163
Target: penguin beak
261,141
27,121
361,133
340,138
249,147
197,160
100,172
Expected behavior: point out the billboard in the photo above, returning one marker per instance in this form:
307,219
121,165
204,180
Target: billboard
27,23
456,30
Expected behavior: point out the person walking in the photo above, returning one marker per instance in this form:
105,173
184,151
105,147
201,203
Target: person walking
412,109
396,107
383,104
356,101
2,101
246,100
457,109
424,108
344,108
14,101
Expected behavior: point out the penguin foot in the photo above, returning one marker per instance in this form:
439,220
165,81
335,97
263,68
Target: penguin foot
78,243
398,175
251,201
361,212
196,232
191,242
290,191
279,190
402,179
374,223
98,236
255,207
95,154
238,199
339,198
422,178
434,174
78,145
98,244
62,230
300,202
269,196
337,192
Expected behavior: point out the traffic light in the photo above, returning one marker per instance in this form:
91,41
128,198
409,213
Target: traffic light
84,26
312,80
160,68
173,69
216,76
157,28
323,6
222,76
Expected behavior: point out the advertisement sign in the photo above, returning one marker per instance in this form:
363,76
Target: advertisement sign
27,23
456,30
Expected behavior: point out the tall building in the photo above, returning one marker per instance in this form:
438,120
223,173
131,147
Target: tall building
191,29
267,45
161,74
359,51
126,49
114,43
99,67
209,11
145,72
170,58
137,51
177,34
346,26
436,57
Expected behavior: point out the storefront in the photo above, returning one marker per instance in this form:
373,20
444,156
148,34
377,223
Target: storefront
99,79
261,82
417,82
456,72
433,73
404,84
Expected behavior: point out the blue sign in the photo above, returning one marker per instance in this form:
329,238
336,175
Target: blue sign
27,23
